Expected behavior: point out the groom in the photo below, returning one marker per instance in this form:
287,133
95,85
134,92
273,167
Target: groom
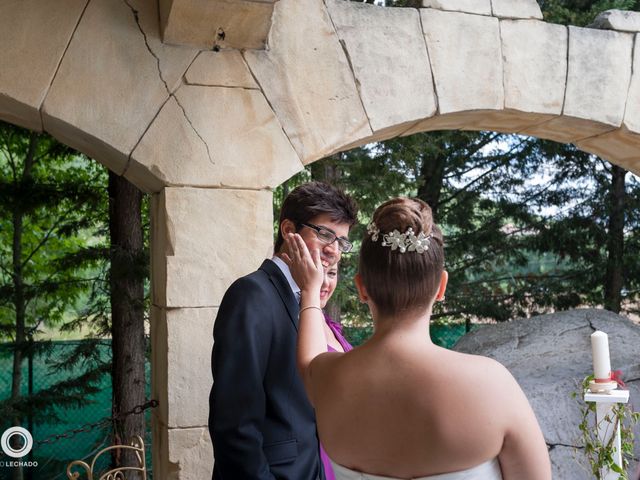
261,423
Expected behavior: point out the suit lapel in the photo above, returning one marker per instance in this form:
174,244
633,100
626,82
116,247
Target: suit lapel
279,281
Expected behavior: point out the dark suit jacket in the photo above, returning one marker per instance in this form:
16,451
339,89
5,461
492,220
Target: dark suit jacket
261,422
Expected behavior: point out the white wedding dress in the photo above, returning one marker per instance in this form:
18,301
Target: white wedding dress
487,471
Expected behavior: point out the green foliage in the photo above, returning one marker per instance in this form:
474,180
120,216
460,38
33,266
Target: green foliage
53,259
581,12
525,220
52,244
599,454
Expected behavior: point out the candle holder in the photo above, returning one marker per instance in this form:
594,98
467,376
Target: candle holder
607,399
602,387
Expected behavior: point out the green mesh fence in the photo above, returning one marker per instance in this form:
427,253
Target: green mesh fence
53,455
443,334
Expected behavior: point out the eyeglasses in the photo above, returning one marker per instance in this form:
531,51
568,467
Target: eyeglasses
327,236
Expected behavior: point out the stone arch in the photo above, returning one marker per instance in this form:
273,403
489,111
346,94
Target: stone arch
210,133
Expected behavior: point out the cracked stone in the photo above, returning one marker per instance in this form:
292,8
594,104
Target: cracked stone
35,35
221,69
309,83
388,55
97,103
176,148
172,60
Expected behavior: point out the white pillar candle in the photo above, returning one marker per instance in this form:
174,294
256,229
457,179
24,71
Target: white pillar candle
600,351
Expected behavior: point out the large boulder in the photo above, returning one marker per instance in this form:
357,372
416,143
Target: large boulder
549,355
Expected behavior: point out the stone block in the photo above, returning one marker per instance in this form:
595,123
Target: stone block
384,134
566,129
621,20
171,152
466,60
599,75
195,234
516,9
34,35
535,65
225,68
387,52
98,103
183,339
159,371
506,121
208,23
173,60
481,7
190,454
632,112
189,142
618,146
306,77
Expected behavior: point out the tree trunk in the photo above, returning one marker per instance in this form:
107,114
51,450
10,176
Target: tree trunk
127,310
19,300
432,176
614,276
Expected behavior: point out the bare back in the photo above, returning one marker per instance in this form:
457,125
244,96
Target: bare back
408,408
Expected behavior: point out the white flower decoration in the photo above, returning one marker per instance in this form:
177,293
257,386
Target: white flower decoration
395,240
420,243
404,242
373,230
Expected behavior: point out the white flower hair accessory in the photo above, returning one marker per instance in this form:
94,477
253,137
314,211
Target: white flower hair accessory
374,231
404,242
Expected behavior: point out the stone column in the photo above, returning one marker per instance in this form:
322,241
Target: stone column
202,240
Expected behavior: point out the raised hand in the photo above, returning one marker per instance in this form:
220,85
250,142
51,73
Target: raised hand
306,267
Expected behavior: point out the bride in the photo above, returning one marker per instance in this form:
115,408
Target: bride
400,407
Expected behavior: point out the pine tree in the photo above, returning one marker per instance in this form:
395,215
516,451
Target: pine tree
52,203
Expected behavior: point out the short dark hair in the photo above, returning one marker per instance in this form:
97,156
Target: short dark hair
316,198
400,282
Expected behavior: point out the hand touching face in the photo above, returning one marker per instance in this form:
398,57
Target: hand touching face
329,252
306,267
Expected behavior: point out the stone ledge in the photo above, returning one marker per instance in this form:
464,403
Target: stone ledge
527,9
216,24
515,9
620,20
480,7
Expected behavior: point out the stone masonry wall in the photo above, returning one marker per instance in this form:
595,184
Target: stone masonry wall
211,133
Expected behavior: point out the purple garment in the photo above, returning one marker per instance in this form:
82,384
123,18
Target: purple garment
336,328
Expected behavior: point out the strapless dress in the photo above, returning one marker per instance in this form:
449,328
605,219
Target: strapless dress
487,471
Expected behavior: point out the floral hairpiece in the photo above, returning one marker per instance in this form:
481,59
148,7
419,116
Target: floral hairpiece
405,242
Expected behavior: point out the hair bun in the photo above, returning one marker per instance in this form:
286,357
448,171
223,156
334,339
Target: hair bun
397,282
403,213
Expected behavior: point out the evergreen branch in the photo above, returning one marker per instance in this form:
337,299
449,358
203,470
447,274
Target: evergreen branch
41,243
